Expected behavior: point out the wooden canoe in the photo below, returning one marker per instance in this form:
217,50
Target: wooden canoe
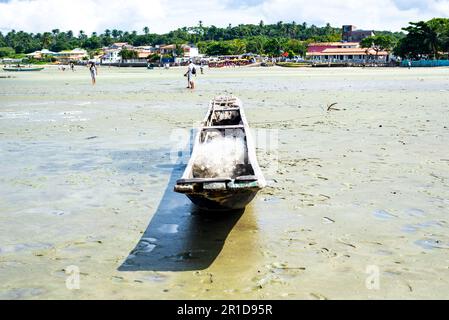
224,119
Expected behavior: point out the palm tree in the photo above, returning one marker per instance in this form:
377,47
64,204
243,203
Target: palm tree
46,40
146,30
81,34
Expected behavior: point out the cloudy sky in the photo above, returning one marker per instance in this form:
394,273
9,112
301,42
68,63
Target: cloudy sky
165,15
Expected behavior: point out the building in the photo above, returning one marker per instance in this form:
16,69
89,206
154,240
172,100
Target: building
120,45
40,54
188,50
111,56
144,52
67,56
348,55
351,34
320,46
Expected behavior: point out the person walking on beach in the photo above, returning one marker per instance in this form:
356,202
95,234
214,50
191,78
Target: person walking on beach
72,66
93,72
191,71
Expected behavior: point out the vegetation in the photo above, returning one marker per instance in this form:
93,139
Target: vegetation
379,43
419,40
7,52
260,38
424,39
128,54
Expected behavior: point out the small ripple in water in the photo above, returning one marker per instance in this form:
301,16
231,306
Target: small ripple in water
383,214
415,212
430,244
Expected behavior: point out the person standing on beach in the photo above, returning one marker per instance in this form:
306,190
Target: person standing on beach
191,71
93,72
72,66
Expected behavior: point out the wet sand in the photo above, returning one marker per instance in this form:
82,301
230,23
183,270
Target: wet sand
87,172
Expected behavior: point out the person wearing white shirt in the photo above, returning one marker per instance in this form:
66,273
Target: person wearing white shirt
191,71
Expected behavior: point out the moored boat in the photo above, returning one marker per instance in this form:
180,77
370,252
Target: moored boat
223,172
22,69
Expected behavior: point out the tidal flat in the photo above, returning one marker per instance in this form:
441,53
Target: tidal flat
357,203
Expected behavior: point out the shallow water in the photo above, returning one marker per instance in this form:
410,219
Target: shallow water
87,173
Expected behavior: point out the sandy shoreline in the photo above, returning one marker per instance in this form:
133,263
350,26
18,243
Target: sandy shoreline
86,172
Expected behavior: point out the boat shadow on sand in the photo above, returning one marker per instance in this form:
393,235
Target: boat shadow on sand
180,237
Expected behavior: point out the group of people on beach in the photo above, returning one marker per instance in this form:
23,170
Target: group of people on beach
230,63
71,66
190,74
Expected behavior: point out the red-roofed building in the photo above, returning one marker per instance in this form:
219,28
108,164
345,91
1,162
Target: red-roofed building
320,46
354,55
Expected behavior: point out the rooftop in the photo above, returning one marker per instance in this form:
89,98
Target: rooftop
323,44
347,51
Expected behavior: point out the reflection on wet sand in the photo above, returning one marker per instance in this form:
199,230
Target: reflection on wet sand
180,237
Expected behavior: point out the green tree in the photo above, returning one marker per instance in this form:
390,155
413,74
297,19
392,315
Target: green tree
238,46
296,46
440,28
422,39
128,54
378,43
217,48
7,52
256,44
275,46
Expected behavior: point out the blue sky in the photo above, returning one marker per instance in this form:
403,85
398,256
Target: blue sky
162,15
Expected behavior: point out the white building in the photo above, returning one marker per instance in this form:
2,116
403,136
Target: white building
111,56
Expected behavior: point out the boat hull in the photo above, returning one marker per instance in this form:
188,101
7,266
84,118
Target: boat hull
22,69
223,201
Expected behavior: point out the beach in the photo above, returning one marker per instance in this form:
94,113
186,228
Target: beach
357,170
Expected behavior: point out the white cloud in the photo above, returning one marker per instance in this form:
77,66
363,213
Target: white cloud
161,16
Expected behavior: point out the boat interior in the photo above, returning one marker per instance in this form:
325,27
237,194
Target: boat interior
225,120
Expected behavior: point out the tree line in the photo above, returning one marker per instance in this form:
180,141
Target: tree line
428,40
420,39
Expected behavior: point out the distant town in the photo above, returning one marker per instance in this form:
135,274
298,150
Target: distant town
243,44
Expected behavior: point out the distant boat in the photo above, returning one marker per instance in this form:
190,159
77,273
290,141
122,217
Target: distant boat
22,69
225,119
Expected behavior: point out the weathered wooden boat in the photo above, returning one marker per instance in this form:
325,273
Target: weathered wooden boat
233,190
22,69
